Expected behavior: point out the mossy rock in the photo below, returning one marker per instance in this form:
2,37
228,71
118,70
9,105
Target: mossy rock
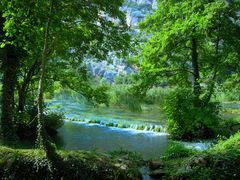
157,129
122,126
142,127
110,124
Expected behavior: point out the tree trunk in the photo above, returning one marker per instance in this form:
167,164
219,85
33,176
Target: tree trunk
196,74
10,67
21,99
42,136
43,140
10,64
210,92
22,90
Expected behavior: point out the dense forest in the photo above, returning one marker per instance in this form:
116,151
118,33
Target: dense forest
119,89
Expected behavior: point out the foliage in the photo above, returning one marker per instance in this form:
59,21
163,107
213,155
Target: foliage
122,95
132,160
220,162
129,79
228,93
61,34
177,150
156,95
168,51
230,144
229,127
186,120
26,122
54,120
186,45
132,156
31,164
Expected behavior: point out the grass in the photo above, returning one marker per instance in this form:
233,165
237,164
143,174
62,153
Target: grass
220,162
178,150
32,164
122,96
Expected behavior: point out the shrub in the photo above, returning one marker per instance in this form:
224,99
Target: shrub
26,122
230,126
220,162
177,150
121,95
188,121
156,95
54,120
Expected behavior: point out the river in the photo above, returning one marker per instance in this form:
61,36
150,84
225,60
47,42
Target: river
108,129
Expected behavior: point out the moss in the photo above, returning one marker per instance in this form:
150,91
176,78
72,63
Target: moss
32,164
110,124
92,122
157,129
122,126
142,127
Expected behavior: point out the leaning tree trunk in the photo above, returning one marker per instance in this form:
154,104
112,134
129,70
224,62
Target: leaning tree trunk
196,74
42,136
43,139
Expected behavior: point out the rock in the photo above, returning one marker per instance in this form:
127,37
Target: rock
124,167
101,72
121,166
113,66
201,161
155,164
96,71
159,173
110,75
128,70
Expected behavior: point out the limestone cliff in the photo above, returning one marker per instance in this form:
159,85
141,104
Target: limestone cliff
136,11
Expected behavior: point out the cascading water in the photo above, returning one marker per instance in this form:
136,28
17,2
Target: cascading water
108,129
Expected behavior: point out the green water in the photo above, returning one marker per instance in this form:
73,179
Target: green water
79,133
74,136
146,120
106,129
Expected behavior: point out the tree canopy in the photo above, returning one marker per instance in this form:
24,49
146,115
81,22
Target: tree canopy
188,39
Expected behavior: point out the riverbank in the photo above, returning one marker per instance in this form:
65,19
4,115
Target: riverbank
219,162
32,164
